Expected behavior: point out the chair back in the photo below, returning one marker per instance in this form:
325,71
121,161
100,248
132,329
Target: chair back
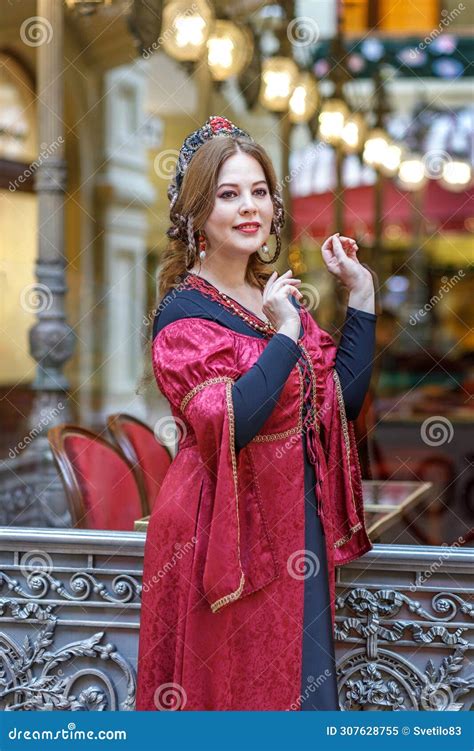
150,458
99,482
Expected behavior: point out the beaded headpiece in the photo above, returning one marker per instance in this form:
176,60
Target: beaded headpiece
214,126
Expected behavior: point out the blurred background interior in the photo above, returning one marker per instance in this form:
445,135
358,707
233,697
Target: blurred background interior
366,109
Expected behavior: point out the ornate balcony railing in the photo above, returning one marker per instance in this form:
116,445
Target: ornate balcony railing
70,614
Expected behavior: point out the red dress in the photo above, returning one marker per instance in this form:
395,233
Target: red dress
222,617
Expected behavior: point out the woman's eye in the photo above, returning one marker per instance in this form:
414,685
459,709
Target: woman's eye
259,191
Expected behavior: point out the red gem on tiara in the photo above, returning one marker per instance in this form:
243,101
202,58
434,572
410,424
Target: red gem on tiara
220,123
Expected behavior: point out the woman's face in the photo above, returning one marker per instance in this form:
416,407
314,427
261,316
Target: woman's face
242,198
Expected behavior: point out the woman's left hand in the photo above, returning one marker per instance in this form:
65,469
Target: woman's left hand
340,256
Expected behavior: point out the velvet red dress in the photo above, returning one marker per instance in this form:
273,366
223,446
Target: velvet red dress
222,616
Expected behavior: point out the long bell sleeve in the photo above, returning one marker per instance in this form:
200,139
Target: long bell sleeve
195,367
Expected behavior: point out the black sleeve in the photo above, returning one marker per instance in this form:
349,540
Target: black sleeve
354,358
257,391
255,394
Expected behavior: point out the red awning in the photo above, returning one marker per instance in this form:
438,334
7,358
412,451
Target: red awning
442,210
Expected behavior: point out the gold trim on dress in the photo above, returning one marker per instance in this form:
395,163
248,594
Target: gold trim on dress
215,606
265,437
218,604
346,538
345,430
315,385
202,385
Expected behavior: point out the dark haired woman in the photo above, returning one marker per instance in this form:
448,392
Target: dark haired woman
263,498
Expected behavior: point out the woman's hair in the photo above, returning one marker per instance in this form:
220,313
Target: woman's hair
195,203
193,206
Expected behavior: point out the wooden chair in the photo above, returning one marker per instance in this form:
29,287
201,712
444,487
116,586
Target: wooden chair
99,482
150,458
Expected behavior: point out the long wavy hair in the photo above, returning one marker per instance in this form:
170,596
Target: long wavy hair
195,204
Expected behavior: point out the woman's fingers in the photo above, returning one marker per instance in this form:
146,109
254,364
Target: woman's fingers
327,245
268,285
282,281
337,247
345,239
350,246
272,280
274,284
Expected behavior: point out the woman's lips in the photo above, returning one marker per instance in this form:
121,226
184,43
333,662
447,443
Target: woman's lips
249,230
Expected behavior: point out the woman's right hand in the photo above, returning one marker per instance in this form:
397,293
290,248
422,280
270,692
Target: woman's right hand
277,305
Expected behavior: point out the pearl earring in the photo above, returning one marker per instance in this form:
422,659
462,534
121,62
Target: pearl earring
264,248
202,246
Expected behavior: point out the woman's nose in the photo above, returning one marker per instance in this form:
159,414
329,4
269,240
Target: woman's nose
248,205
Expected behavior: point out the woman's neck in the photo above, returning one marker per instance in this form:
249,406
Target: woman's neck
231,278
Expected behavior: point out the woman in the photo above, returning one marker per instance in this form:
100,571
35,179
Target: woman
264,497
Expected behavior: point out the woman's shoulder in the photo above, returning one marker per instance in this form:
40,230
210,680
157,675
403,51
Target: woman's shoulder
189,345
178,304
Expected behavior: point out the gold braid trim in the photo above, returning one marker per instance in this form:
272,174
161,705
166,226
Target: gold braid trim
202,385
218,604
300,414
345,539
313,381
345,430
276,436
